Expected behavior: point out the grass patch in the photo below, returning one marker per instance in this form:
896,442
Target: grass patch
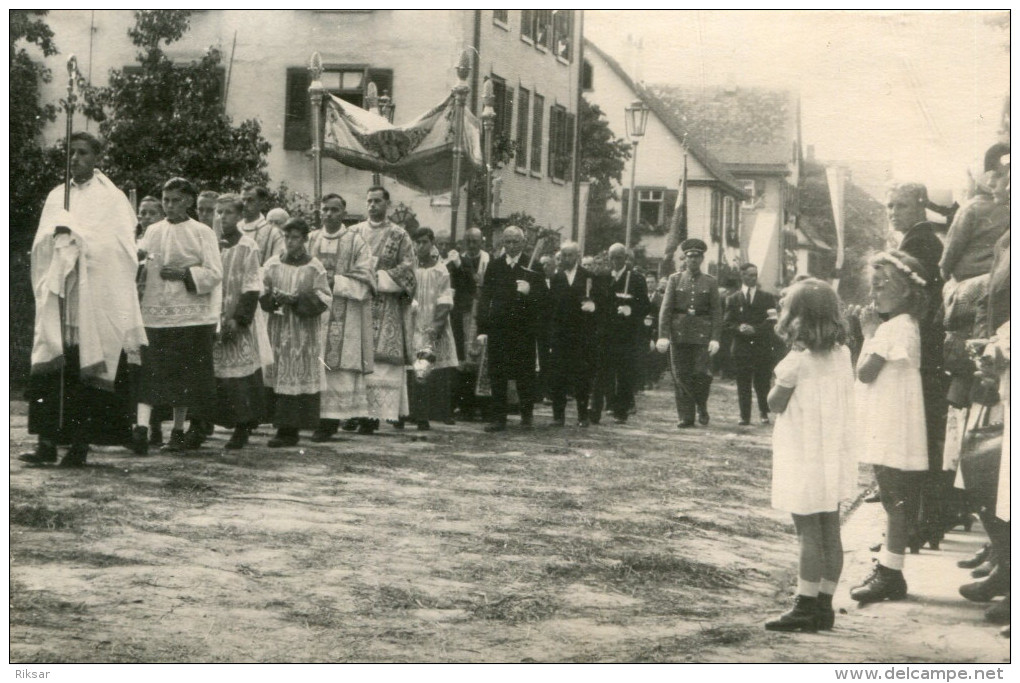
41,608
516,609
76,557
187,486
636,569
688,647
38,516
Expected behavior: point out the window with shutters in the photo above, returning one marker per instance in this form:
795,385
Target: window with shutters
543,28
752,195
561,142
349,83
528,25
501,17
537,118
563,34
523,121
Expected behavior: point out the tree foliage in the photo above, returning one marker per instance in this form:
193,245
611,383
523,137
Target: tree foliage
34,171
603,157
164,119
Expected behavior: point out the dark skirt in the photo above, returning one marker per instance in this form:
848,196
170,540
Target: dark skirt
239,401
296,412
432,400
91,415
177,368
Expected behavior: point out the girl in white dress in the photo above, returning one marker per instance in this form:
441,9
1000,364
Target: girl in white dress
813,464
890,411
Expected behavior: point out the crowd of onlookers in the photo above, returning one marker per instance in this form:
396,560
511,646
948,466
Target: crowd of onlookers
926,401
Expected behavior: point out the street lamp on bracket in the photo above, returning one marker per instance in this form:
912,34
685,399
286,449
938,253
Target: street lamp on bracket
636,118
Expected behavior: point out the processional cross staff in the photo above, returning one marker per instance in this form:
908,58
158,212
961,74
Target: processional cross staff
72,77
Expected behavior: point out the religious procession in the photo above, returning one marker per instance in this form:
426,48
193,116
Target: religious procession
213,318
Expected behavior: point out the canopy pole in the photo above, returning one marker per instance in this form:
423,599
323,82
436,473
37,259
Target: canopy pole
460,93
315,91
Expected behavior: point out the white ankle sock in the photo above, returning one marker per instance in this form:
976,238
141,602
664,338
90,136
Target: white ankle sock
827,587
807,588
891,560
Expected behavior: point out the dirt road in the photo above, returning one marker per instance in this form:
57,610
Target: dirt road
615,543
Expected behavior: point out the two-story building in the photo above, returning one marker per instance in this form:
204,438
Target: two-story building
756,134
532,57
713,193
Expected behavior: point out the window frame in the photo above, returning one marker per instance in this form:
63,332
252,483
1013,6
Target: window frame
503,23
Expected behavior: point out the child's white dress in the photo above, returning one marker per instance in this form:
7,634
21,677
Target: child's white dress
814,464
890,410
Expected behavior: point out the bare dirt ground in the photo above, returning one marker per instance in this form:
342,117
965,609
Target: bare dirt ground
635,543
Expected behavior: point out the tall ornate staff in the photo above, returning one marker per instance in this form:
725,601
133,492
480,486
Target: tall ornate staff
460,93
315,91
72,76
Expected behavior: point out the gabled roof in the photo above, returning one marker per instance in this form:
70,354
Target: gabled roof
673,124
747,128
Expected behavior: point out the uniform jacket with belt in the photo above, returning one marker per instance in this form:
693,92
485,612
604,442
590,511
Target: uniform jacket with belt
691,310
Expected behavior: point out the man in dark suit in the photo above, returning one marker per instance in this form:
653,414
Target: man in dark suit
624,325
509,315
578,301
750,317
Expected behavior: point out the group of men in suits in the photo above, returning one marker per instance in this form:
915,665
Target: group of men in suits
585,327
589,322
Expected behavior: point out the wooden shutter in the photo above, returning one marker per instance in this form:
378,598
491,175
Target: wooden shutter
523,121
297,123
554,142
537,116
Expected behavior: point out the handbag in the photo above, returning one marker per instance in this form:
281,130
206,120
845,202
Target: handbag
980,457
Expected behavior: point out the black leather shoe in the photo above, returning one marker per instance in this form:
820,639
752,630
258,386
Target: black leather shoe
977,560
495,427
995,585
321,435
999,612
176,442
281,441
238,439
194,437
744,423
703,418
424,426
75,457
882,584
582,423
368,425
559,421
45,454
803,617
685,424
140,440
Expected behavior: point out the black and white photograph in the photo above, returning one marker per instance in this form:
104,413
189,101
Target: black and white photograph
466,336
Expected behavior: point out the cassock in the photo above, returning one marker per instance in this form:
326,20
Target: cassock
347,329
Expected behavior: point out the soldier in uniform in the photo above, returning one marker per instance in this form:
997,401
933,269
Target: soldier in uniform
690,323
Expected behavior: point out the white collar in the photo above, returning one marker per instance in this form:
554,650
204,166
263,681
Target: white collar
512,261
618,273
571,274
